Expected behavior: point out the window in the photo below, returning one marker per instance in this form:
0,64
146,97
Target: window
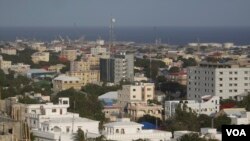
53,110
221,91
230,84
246,84
235,78
220,79
122,131
230,72
221,85
221,72
235,72
67,129
235,90
230,78
148,89
65,102
230,91
134,90
148,95
134,96
235,84
245,72
117,131
70,81
245,78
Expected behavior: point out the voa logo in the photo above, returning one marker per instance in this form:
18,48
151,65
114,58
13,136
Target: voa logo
236,132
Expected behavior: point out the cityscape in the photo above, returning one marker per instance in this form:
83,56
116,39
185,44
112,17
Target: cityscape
127,74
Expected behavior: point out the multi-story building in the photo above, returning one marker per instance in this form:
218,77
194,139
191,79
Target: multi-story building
120,67
9,51
53,122
126,130
100,52
107,70
20,68
86,77
56,68
226,80
138,92
137,109
64,82
68,54
5,65
40,56
208,105
87,70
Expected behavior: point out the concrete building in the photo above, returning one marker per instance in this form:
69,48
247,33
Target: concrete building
100,52
86,77
40,73
40,56
107,70
64,82
137,109
206,133
226,80
39,46
238,116
120,67
138,92
56,68
69,54
5,65
51,122
20,68
140,77
125,130
9,51
209,105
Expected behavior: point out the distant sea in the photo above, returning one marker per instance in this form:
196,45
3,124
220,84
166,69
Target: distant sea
170,35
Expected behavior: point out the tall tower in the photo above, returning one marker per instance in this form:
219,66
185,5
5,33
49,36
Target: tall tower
111,34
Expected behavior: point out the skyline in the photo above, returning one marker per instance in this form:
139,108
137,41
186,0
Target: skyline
60,13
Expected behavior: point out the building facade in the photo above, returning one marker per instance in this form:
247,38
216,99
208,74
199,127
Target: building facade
226,80
138,92
68,54
64,82
125,130
40,56
209,105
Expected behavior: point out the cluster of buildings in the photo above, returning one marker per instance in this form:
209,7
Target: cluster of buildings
93,63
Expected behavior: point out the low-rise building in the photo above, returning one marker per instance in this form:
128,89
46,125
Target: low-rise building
137,109
20,68
139,77
69,54
40,56
86,77
9,51
64,82
125,130
56,68
51,122
209,105
5,65
137,92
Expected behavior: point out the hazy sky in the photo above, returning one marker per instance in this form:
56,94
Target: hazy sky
126,12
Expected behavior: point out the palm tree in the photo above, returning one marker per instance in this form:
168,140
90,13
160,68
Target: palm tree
79,136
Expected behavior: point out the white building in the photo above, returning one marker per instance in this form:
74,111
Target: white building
50,122
9,51
40,56
137,92
209,105
125,130
100,52
20,68
207,133
226,80
140,77
238,115
63,82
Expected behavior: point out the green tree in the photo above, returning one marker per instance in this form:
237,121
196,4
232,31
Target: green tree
245,103
79,136
190,137
174,70
221,120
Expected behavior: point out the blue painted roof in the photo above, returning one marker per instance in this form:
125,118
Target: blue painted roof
148,125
